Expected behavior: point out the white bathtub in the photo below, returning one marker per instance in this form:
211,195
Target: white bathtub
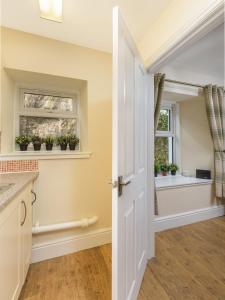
185,200
178,194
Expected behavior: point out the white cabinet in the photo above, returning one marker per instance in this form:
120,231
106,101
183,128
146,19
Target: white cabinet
26,231
10,252
15,244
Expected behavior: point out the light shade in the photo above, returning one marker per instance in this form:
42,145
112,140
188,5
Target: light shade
51,9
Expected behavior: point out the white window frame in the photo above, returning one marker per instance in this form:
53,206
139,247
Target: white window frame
174,132
20,110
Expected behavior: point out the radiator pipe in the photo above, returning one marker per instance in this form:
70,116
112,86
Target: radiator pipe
83,223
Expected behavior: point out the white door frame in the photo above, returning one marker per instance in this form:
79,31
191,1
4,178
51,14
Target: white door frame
195,30
208,20
150,168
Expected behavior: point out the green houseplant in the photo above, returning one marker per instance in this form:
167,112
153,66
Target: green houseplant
36,141
49,142
73,141
62,141
165,169
173,169
23,141
157,168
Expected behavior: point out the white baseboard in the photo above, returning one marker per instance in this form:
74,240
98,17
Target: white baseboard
103,236
64,246
173,221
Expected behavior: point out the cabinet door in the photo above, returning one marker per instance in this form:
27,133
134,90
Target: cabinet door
10,252
26,227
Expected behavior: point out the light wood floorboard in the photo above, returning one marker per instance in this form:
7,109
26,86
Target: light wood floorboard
189,264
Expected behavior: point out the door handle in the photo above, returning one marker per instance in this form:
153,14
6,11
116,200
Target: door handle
35,197
125,183
114,183
25,213
121,184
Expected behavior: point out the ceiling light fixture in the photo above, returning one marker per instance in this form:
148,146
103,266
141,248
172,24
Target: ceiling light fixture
51,10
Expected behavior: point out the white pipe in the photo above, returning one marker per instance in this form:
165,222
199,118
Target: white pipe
83,223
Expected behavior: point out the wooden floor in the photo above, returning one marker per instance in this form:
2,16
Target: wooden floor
189,264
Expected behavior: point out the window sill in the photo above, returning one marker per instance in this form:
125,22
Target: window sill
45,155
179,181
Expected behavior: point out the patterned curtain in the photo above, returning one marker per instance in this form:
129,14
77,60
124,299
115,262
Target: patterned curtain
159,80
215,107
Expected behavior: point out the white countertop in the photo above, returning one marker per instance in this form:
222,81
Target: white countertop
165,182
18,181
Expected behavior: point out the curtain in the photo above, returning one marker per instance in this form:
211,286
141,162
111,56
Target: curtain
215,107
159,80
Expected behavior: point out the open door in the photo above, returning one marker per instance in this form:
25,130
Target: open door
129,178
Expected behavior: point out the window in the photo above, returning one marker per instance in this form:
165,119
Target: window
165,140
47,113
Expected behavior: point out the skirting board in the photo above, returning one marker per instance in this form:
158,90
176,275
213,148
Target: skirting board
61,247
173,221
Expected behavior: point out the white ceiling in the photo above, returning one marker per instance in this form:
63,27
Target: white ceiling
205,58
85,22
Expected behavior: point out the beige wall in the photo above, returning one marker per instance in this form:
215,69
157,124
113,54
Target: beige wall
67,189
196,142
174,21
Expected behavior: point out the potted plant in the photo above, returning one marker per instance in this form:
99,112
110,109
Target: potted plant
73,141
23,141
157,169
62,141
173,169
165,169
49,142
36,141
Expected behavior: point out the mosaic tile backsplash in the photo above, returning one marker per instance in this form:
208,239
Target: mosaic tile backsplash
13,166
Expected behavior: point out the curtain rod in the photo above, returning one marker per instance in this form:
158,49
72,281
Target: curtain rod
185,83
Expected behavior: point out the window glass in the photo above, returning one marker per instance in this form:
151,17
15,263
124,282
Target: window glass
164,150
165,138
161,149
48,102
164,120
44,126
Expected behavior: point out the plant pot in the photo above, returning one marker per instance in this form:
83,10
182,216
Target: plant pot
63,147
164,173
48,147
37,146
72,146
23,147
156,174
173,173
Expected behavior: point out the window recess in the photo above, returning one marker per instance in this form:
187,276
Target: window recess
45,113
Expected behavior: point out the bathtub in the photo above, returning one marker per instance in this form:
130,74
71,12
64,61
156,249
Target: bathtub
184,200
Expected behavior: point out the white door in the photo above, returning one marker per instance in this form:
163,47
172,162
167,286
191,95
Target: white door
129,176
